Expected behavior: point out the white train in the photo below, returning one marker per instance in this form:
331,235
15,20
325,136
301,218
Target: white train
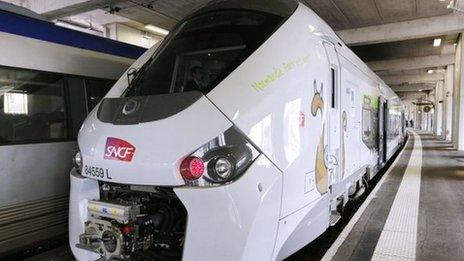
241,137
50,77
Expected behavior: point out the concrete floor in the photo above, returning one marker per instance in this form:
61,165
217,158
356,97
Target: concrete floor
439,226
363,239
441,212
438,230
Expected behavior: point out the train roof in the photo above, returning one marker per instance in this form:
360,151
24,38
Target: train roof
283,8
329,34
22,22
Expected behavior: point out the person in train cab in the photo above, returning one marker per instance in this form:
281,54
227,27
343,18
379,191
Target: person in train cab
199,80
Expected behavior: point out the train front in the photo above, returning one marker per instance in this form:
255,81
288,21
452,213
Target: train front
161,172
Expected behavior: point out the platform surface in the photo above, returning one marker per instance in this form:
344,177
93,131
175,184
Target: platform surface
416,212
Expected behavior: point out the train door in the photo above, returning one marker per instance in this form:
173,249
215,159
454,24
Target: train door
332,129
382,132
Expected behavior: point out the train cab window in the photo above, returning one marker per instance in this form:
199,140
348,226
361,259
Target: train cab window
32,106
203,51
84,95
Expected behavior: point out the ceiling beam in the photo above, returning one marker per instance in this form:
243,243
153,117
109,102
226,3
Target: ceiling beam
412,63
413,87
418,78
413,29
77,7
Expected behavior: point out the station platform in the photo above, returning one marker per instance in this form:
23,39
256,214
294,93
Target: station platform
414,212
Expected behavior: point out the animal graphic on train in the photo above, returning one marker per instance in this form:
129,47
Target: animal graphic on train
322,174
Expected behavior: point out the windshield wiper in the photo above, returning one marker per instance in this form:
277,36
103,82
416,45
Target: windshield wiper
131,74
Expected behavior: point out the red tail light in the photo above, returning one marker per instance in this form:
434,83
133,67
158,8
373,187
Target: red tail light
192,168
219,161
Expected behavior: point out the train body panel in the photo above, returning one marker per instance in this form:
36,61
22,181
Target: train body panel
275,101
22,52
305,122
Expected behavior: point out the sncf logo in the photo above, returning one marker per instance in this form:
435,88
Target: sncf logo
117,149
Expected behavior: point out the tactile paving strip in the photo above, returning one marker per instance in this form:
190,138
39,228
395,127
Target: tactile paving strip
398,238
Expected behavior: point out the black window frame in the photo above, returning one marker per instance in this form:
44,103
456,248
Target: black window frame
66,100
179,27
333,86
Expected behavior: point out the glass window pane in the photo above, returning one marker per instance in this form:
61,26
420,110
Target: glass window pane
203,51
32,106
77,103
96,90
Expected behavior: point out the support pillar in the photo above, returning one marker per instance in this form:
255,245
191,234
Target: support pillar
448,103
458,86
430,115
438,115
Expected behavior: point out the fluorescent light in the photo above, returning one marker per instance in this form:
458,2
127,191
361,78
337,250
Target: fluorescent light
437,42
15,103
420,90
430,71
156,29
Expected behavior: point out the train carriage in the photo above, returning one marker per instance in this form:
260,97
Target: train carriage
241,137
50,78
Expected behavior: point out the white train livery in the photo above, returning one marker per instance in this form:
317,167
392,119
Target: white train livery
240,137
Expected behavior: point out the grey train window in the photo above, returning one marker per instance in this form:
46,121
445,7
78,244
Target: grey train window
394,125
203,51
43,107
32,106
369,123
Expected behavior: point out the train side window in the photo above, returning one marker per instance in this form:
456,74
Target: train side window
369,127
96,89
32,106
366,124
333,81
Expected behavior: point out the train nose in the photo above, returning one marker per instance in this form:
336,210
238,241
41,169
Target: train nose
143,141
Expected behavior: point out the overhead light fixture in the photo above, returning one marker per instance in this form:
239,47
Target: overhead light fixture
429,71
420,90
156,29
437,42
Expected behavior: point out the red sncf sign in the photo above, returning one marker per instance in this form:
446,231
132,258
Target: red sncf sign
117,149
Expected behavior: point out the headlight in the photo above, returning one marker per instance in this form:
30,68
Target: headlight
77,160
223,168
220,161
